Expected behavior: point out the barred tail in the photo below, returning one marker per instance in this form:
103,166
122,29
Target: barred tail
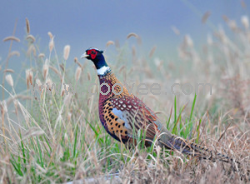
182,145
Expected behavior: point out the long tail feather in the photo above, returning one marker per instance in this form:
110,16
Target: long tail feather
182,145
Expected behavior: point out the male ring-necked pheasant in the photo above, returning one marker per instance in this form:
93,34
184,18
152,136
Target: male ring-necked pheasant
121,112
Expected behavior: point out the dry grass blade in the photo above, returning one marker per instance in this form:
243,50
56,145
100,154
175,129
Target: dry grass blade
9,70
27,25
110,43
133,51
31,38
205,17
122,68
11,38
34,131
152,52
89,77
22,97
224,132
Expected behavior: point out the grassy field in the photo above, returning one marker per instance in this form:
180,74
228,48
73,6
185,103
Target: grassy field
53,134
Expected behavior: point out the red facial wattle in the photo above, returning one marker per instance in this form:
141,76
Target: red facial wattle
92,53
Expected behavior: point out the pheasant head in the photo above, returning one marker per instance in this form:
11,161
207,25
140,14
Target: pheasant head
97,58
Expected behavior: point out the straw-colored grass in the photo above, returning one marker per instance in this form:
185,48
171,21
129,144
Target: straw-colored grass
51,131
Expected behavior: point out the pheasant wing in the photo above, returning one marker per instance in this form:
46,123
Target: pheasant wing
127,113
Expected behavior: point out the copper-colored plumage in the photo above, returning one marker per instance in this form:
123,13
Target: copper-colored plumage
123,114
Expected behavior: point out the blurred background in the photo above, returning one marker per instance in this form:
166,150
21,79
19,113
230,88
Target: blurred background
84,24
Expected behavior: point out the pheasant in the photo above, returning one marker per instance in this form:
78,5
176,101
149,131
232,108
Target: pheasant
122,114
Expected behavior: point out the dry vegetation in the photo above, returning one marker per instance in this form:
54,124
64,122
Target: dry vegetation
54,135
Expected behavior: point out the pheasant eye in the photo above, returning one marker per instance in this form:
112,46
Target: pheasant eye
93,52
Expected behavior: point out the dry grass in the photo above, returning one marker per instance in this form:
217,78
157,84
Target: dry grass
54,134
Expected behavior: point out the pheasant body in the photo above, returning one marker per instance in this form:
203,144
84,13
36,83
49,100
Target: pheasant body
123,114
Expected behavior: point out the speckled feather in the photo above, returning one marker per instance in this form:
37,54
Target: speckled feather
120,113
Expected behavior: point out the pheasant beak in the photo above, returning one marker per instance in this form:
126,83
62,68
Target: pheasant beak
84,55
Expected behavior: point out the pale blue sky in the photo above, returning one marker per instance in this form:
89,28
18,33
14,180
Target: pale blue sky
91,23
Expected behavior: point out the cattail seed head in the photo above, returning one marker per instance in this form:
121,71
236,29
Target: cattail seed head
110,43
175,30
188,41
62,67
31,38
152,51
205,17
27,25
49,84
65,89
50,35
232,24
16,106
14,53
29,77
244,21
66,52
222,35
45,69
78,73
4,107
41,55
11,38
9,79
77,62
132,35
38,82
51,44
9,70
209,39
